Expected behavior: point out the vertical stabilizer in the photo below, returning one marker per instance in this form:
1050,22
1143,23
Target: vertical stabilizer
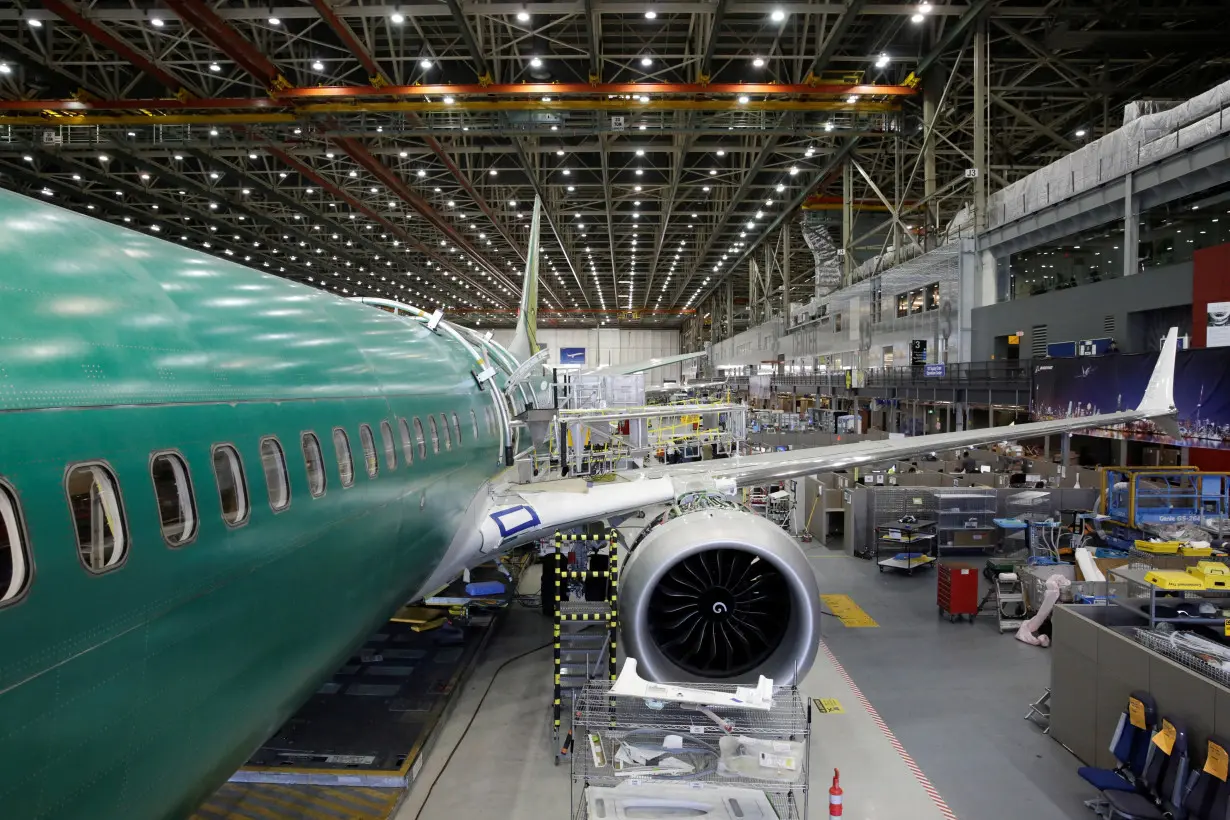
525,340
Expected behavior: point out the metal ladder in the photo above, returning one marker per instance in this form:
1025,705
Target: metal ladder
583,631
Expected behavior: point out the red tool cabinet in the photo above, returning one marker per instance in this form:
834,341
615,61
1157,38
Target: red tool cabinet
956,591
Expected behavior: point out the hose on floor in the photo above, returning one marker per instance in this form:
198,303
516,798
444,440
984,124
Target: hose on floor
470,722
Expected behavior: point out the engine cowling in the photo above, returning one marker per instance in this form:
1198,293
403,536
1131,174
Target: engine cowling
717,595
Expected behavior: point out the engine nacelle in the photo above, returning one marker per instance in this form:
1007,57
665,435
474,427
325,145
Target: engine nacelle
718,595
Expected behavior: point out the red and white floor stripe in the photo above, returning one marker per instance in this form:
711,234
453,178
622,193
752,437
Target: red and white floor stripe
888,733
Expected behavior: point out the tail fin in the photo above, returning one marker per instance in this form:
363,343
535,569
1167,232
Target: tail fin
1159,395
525,340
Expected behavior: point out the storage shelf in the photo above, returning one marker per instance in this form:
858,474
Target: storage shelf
616,718
787,807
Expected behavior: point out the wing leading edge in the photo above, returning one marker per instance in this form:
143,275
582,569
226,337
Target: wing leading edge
515,514
648,364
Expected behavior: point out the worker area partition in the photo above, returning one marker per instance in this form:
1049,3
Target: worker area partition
1096,664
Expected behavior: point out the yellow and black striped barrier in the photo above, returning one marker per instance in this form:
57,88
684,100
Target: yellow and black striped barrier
563,575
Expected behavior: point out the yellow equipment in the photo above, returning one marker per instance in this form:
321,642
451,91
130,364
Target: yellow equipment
1159,547
1173,579
1212,574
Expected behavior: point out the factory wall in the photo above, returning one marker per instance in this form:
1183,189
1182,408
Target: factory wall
1125,309
608,346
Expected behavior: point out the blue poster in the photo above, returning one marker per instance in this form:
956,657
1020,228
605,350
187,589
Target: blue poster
1105,384
572,355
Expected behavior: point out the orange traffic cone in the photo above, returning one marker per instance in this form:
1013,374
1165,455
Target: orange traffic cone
835,796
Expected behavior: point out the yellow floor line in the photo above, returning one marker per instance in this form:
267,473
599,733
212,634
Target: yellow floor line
848,612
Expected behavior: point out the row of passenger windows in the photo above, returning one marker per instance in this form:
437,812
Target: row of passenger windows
97,508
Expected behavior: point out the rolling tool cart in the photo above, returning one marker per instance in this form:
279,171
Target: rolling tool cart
956,591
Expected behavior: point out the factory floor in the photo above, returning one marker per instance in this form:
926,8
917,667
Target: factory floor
935,728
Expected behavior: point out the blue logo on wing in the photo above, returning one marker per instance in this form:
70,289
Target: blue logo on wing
515,519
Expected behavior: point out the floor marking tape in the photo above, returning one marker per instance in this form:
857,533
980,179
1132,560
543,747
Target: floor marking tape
848,612
888,733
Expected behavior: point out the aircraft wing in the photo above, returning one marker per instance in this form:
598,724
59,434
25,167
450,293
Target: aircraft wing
513,514
648,364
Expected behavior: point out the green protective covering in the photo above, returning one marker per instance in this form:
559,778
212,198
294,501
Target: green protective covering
134,693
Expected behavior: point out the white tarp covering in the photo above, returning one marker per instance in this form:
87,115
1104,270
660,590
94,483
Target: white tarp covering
1146,139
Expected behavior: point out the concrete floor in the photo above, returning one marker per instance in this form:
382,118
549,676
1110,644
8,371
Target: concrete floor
953,694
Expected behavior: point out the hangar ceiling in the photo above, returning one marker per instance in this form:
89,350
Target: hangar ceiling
395,149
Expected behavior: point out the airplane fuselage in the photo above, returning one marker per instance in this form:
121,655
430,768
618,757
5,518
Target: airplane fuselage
135,679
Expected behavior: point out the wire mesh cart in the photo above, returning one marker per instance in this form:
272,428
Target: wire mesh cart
631,740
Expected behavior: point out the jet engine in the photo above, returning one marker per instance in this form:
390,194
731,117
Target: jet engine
712,593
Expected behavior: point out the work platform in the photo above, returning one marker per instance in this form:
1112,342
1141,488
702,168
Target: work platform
352,750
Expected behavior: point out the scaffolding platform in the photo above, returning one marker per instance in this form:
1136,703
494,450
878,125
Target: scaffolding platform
359,742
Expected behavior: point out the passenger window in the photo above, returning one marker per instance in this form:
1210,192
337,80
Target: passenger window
14,555
419,438
314,460
390,449
276,479
345,462
176,505
448,437
457,429
435,434
474,423
407,448
94,499
232,489
369,450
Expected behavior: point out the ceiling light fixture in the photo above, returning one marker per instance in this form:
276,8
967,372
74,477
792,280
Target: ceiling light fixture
742,99
646,62
777,16
758,62
425,63
536,62
397,18
882,60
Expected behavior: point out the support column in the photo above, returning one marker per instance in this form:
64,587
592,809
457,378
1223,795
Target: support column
766,283
980,125
847,222
932,89
1123,452
730,307
786,270
1131,227
1065,451
752,299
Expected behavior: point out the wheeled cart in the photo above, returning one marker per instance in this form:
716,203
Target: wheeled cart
956,591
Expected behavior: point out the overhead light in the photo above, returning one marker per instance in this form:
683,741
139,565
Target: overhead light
852,99
646,62
317,65
924,7
712,172
215,67
156,22
794,170
397,18
523,16
559,152
882,60
916,19
35,22
743,99
1080,132
640,152
494,172
449,100
758,62
546,99
536,62
425,63
777,16
651,15
28,158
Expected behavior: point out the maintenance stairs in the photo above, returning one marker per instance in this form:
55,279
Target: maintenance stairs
584,630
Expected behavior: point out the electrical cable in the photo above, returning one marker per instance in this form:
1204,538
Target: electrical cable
470,722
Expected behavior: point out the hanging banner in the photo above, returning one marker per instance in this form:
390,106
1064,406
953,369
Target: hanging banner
1065,388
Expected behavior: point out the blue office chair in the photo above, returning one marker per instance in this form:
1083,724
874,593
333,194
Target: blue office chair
1208,797
1164,781
1130,746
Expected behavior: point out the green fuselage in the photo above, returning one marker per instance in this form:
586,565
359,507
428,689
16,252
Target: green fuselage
134,692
